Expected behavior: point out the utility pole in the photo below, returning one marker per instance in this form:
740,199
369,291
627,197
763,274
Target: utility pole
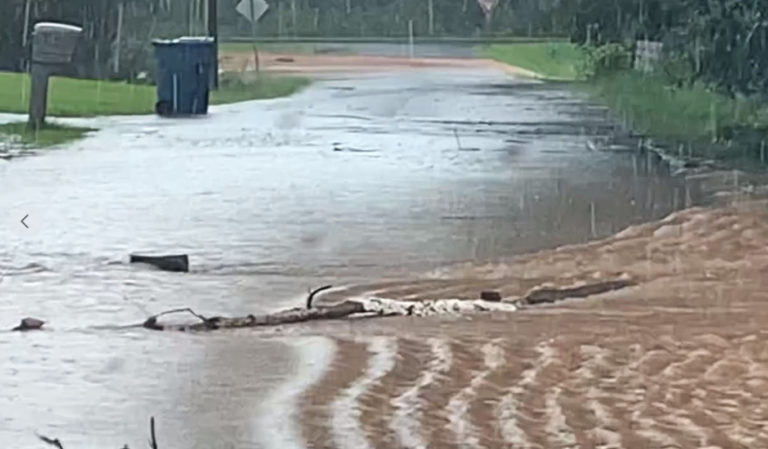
431,11
213,31
25,36
118,37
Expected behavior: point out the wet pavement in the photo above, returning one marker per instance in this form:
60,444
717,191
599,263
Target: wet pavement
356,179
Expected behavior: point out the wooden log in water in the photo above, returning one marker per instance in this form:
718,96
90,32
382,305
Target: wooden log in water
291,316
552,295
29,324
176,263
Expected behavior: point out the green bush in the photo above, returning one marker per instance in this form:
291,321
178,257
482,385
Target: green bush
605,60
678,69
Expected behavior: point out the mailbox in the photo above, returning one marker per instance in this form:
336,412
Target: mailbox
54,43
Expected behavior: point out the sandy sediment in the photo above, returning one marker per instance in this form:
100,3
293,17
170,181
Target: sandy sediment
676,361
319,64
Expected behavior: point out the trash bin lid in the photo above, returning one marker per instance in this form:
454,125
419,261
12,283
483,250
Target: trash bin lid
53,27
184,41
195,40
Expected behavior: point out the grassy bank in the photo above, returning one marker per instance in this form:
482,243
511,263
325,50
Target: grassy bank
88,98
551,60
702,119
48,135
237,87
693,115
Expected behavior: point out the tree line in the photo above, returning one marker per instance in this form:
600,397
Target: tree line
143,20
721,42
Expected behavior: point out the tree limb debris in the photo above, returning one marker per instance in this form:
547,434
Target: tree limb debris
359,308
315,292
552,295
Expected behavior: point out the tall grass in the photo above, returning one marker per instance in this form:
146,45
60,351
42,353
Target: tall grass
551,60
698,114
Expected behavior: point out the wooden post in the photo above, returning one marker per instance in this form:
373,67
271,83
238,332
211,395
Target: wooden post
38,97
410,39
213,31
118,37
431,12
253,36
25,35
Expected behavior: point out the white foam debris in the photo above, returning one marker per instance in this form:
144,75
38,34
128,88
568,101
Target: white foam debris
383,306
277,414
408,413
346,427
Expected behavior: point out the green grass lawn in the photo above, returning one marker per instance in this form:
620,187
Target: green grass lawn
552,60
251,87
48,135
87,98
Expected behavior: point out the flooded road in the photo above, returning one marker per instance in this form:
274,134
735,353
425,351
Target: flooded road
356,179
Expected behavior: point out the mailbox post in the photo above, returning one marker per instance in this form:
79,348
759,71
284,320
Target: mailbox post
53,45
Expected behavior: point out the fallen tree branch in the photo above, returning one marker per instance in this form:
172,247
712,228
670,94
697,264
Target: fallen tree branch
551,295
314,292
380,307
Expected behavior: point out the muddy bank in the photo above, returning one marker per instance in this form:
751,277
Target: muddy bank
674,361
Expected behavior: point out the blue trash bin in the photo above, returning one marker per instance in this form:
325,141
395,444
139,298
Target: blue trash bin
184,73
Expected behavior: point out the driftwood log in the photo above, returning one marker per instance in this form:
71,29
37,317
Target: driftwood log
383,307
552,295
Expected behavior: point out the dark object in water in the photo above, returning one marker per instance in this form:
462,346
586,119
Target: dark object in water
179,264
50,441
29,324
285,59
491,296
315,292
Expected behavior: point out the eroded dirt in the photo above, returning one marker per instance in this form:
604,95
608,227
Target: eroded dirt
677,361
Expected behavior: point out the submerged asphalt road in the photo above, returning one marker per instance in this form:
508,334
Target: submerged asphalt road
355,179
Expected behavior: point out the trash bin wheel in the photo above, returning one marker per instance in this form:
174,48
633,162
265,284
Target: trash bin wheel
163,108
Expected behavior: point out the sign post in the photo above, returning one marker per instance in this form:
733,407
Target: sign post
488,6
253,10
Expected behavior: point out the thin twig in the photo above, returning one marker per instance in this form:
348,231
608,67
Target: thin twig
186,309
456,135
153,441
151,322
50,441
315,292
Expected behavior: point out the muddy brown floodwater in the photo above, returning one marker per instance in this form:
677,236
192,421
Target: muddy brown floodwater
361,178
